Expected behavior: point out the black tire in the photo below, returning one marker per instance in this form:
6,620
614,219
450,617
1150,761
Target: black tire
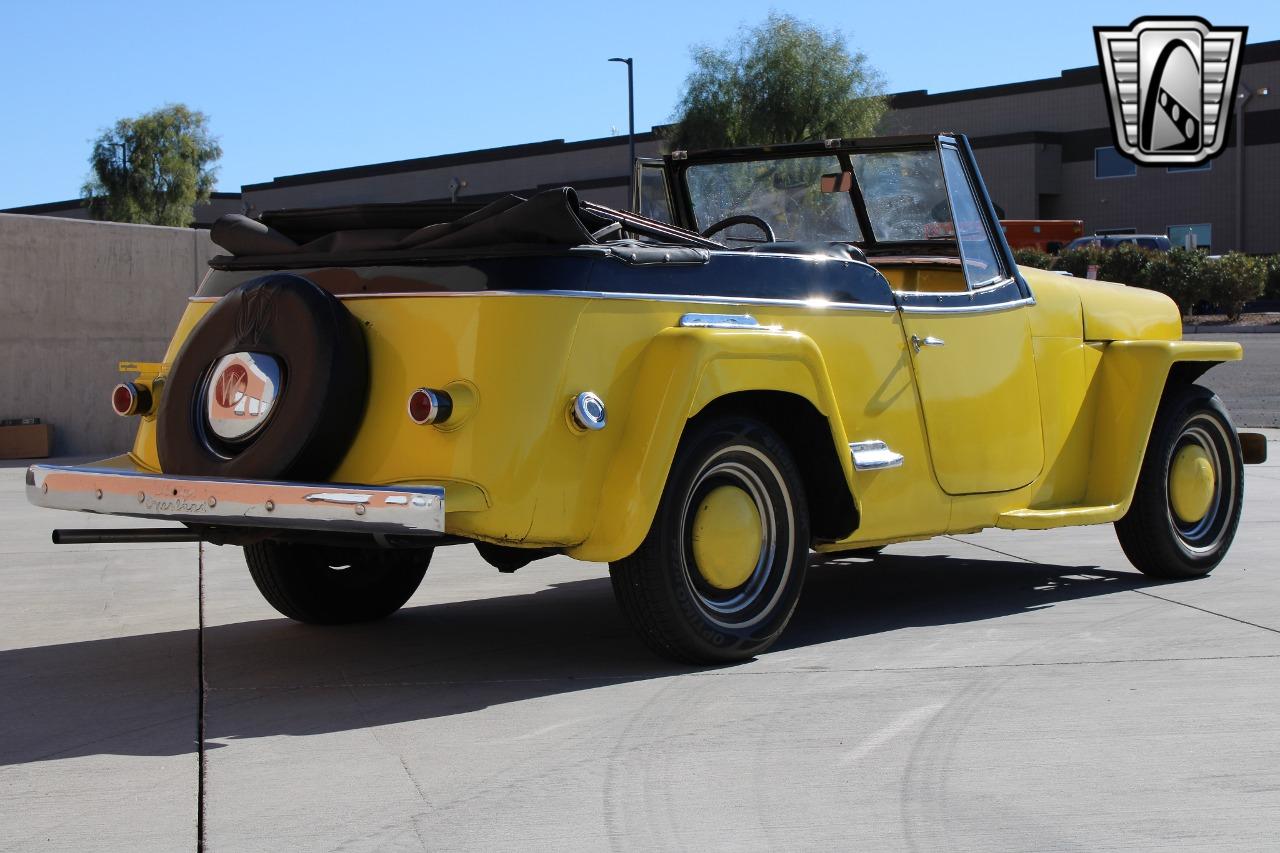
323,384
668,599
301,581
1155,538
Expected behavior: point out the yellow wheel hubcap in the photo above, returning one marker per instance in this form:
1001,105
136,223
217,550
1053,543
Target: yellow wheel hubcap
1191,483
727,537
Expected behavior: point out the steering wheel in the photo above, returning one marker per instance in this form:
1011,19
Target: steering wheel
741,219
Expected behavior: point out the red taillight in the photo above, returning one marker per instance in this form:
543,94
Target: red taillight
128,398
429,406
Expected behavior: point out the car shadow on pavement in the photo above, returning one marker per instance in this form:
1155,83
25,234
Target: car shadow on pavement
137,695
852,596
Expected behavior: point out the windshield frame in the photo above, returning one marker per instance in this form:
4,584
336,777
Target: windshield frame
678,163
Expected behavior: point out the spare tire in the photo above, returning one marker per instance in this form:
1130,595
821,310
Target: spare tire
270,384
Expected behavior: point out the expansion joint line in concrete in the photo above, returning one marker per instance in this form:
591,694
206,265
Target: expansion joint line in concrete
1204,610
202,692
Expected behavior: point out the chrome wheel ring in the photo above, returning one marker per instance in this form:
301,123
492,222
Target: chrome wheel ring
1204,535
754,599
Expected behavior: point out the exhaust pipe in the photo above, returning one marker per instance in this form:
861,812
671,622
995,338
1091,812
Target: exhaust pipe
137,534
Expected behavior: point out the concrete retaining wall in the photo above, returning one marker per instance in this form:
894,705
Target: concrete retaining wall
77,297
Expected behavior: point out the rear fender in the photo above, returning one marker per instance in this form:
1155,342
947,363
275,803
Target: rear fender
683,371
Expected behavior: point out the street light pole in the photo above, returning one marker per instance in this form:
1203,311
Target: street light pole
631,126
1242,101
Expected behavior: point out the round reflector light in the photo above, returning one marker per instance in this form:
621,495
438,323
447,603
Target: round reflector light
430,406
130,399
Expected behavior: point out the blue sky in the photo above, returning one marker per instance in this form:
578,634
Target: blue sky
294,87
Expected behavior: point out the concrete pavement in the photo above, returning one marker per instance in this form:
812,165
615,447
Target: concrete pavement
1251,388
1001,691
97,686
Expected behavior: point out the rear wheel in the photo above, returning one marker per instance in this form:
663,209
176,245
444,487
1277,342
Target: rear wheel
1190,490
329,586
720,572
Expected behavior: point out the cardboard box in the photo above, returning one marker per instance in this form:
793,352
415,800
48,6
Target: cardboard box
26,441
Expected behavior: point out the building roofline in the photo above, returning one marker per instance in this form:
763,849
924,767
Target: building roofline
76,203
440,161
46,207
1266,51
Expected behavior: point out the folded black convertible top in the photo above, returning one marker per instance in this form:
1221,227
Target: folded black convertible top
553,222
553,218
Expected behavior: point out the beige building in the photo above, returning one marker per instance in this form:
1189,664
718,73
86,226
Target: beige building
1046,152
597,168
1045,147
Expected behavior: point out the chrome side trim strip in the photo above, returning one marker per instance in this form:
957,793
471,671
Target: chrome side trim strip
874,455
238,503
816,304
968,309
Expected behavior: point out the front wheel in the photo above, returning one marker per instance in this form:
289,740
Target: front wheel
719,574
1190,490
330,586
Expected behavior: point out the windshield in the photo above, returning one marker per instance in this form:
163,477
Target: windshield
809,198
787,194
905,194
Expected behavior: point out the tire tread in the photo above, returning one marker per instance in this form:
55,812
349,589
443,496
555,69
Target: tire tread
1143,530
301,590
639,579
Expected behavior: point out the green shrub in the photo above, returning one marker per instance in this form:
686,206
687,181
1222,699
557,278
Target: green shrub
1126,264
1236,278
1181,274
1077,261
1032,257
1273,277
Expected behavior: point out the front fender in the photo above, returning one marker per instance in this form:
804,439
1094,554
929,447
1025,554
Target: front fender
1133,376
683,370
1128,387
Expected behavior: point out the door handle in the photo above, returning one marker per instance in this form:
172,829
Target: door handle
928,341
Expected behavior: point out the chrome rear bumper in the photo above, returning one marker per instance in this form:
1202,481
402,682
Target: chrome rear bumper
115,487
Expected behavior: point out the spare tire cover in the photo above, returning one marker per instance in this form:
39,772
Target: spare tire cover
270,384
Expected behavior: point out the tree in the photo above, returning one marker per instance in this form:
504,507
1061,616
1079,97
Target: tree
153,169
782,81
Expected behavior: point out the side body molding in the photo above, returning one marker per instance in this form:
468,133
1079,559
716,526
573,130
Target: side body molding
683,370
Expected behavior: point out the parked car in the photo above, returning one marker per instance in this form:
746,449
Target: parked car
1154,242
828,348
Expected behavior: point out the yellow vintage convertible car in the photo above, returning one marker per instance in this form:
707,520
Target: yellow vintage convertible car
814,347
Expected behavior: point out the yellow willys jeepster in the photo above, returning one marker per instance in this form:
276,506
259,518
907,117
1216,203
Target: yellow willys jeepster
813,347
